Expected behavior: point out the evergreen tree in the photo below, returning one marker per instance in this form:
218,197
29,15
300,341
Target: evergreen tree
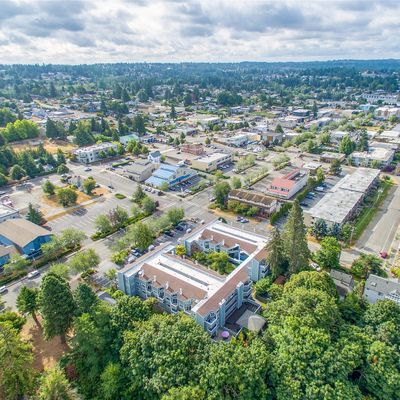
320,229
346,146
16,372
51,129
173,112
125,95
275,254
57,306
85,299
60,157
55,386
27,302
52,90
17,172
335,168
363,141
34,215
295,241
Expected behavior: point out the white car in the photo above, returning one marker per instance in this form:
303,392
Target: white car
87,169
33,274
3,289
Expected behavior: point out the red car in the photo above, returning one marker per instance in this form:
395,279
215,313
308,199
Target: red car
383,254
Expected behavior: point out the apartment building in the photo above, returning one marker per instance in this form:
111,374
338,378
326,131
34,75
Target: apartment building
265,204
344,200
181,284
211,162
378,157
96,152
288,185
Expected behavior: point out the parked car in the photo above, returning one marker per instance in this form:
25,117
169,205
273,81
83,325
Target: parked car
87,169
3,289
244,221
383,254
33,274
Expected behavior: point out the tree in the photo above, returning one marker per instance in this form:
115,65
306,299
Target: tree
276,255
66,197
103,224
180,250
89,185
207,141
112,382
329,254
16,372
59,269
51,129
34,215
363,141
221,191
219,262
346,146
139,194
320,229
142,235
117,216
320,175
345,232
172,114
279,129
27,302
236,183
234,371
154,372
175,215
149,205
85,299
295,241
17,173
55,386
335,230
84,261
60,157
71,238
62,169
367,264
17,263
57,306
16,321
48,187
335,168
3,180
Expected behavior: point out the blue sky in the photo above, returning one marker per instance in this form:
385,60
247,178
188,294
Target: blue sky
87,31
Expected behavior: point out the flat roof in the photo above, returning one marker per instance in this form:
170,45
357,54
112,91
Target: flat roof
359,181
212,157
6,210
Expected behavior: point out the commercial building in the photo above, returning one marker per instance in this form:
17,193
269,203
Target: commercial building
139,171
378,157
211,162
5,254
24,235
288,185
7,212
378,288
170,175
179,284
265,204
95,152
344,200
193,148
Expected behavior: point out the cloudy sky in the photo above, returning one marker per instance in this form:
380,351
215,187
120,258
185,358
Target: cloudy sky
88,31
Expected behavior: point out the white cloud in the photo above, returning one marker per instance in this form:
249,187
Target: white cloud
87,31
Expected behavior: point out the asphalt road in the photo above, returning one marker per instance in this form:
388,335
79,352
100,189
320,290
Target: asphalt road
381,231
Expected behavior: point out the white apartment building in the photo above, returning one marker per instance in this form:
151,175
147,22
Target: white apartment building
96,152
211,162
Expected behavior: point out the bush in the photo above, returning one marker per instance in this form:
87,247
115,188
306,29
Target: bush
120,196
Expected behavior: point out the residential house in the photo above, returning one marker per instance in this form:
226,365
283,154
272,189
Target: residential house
344,282
379,288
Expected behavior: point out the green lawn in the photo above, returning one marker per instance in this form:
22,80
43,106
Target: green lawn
370,209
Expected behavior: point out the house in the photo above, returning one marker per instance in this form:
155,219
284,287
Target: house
154,157
215,301
7,212
169,175
95,152
344,282
211,162
288,185
26,236
328,157
140,170
379,288
266,205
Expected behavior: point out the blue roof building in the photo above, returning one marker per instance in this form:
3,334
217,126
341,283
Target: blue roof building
170,174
